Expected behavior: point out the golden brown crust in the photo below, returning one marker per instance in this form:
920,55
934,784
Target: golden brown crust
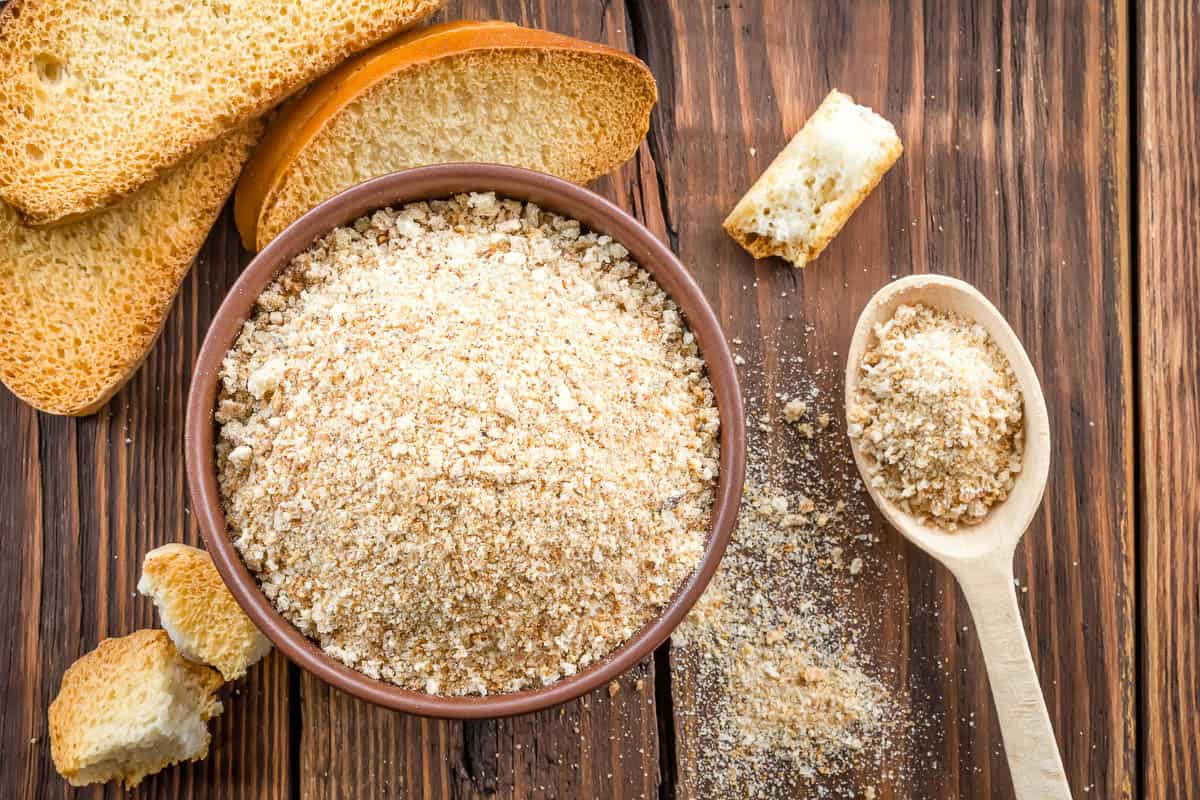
201,616
61,349
66,176
757,245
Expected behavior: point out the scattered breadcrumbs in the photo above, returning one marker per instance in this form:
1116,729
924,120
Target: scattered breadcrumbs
467,446
782,699
939,414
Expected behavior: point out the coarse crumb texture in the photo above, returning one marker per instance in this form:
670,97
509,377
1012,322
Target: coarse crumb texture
467,446
130,708
97,98
781,693
940,415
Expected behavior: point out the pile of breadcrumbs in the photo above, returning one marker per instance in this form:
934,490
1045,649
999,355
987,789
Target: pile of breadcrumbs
940,415
793,680
467,446
781,697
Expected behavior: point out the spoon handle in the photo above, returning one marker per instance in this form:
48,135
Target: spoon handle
1033,757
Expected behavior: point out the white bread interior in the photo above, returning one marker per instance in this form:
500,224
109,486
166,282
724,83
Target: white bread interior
813,186
198,612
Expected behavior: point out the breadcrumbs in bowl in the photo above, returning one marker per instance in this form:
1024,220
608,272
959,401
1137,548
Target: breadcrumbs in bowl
470,449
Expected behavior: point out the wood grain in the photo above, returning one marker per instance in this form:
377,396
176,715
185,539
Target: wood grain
1168,293
1016,177
1015,158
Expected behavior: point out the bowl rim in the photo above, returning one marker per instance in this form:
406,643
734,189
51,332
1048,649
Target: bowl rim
428,183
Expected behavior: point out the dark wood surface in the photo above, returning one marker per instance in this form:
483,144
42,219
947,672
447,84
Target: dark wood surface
1052,158
1167,136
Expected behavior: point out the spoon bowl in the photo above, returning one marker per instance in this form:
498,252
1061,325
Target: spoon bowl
980,556
998,532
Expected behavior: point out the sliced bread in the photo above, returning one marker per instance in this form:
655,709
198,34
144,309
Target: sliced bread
97,97
813,186
198,612
81,303
130,708
483,92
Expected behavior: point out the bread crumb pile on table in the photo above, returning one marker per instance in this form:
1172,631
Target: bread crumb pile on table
467,446
785,694
940,414
782,699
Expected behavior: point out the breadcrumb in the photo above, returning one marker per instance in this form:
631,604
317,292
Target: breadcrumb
467,446
940,415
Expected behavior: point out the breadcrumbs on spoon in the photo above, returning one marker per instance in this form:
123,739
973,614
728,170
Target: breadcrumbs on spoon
940,416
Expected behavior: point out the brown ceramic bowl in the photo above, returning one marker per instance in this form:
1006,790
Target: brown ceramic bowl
428,183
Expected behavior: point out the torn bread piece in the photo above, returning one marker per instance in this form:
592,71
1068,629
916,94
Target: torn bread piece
130,708
199,613
813,186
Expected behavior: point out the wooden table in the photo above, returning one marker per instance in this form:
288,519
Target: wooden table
1052,159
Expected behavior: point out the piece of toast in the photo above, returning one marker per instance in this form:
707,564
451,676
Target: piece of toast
98,97
813,186
130,708
81,303
198,612
474,91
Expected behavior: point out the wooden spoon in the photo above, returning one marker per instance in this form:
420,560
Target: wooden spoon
980,556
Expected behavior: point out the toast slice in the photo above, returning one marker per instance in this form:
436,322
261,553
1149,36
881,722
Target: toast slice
200,615
97,97
475,91
130,708
81,303
811,188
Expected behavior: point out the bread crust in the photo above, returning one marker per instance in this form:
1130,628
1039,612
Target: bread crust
31,280
88,681
299,124
97,180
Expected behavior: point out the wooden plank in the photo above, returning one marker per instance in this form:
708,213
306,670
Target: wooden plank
1168,293
1014,177
140,445
599,746
21,725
